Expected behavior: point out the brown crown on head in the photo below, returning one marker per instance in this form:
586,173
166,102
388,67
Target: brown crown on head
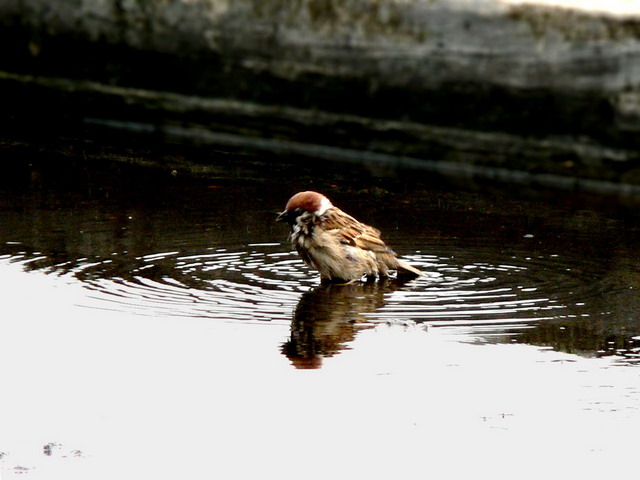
307,201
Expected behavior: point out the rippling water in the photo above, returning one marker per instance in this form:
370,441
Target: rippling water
265,280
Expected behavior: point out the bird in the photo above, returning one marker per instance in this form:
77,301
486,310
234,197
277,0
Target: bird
340,247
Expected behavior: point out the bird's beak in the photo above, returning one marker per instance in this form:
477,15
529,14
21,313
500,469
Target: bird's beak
282,217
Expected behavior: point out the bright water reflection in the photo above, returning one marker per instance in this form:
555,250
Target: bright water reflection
126,277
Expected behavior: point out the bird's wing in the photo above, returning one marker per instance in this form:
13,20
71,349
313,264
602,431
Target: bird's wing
351,232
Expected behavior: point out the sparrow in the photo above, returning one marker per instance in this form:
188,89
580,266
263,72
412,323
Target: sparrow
340,247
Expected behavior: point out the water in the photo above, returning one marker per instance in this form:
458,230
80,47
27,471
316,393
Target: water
156,324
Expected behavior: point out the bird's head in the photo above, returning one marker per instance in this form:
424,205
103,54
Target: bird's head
304,202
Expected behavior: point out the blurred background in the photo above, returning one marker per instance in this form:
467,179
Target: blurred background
536,93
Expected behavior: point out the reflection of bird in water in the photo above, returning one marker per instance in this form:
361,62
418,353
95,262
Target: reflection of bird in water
328,317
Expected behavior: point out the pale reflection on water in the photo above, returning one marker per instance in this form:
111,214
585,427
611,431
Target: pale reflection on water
157,325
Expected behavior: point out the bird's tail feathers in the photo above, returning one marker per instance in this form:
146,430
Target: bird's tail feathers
406,270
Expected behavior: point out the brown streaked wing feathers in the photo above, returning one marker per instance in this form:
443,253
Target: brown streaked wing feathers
352,232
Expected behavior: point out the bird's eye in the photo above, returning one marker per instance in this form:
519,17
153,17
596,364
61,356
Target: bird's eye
291,215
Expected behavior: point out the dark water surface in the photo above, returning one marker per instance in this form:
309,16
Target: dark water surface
157,324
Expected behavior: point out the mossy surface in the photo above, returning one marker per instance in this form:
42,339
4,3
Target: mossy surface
575,26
